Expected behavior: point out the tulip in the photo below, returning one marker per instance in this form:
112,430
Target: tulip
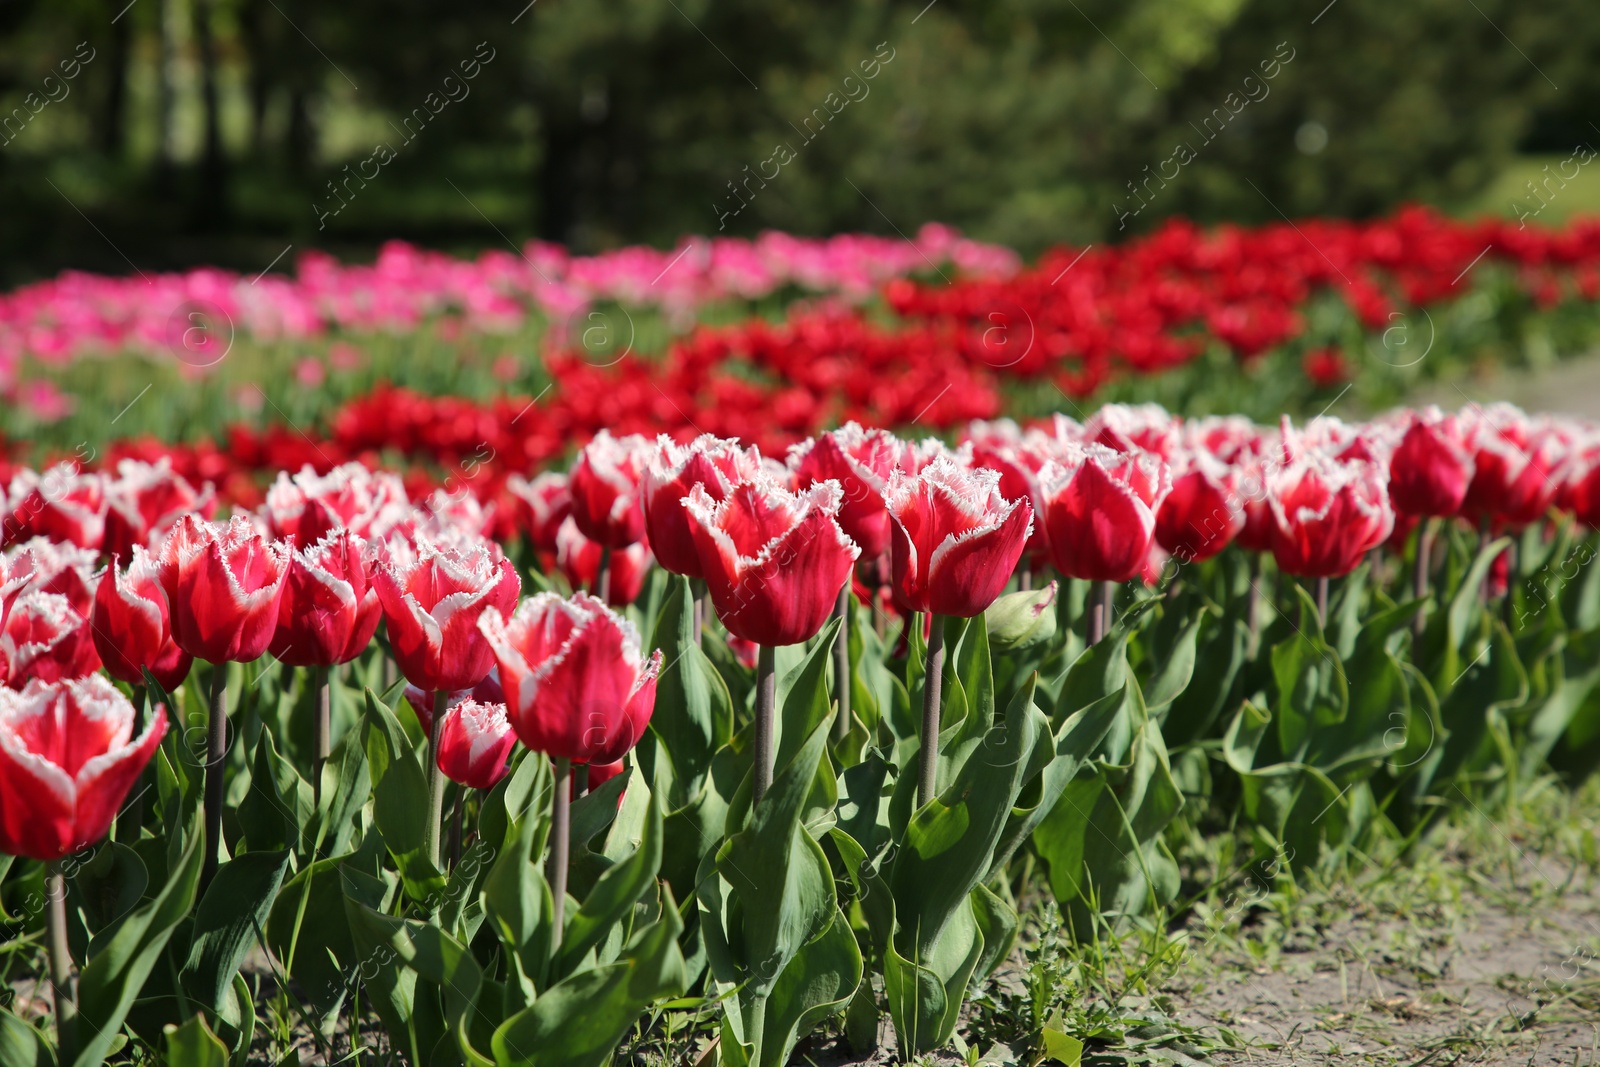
132,625
475,744
431,605
15,575
63,504
1583,484
577,688
860,461
1202,513
774,562
605,484
542,505
57,567
305,508
1515,460
68,757
223,586
671,471
1136,428
330,608
956,540
1430,469
1326,514
580,559
487,691
1100,513
327,616
143,502
45,638
1002,446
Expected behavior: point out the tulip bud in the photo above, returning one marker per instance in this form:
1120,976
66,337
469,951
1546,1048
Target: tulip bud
475,744
133,627
1022,621
1326,514
577,686
1203,513
67,760
1431,468
956,541
1100,510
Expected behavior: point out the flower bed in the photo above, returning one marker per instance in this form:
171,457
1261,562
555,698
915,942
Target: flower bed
788,737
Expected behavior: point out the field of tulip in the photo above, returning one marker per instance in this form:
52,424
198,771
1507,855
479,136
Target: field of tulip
700,751
428,360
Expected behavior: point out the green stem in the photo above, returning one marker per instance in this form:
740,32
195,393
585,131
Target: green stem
841,662
216,752
932,693
61,963
322,744
766,714
560,838
431,832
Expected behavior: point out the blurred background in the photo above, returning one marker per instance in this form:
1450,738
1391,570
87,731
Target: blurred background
212,131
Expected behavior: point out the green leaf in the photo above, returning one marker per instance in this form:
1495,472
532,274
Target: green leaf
400,809
194,1045
615,893
1060,1047
236,904
111,981
693,716
307,930
279,806
579,1020
21,1045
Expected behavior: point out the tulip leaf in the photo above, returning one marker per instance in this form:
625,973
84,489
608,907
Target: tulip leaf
307,930
578,1021
385,738
236,904
400,809
614,893
1175,669
114,977
21,1045
346,792
279,806
693,715
817,983
194,1045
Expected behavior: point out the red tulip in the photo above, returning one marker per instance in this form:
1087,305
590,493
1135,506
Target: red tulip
1002,446
956,539
445,514
15,574
475,744
1431,468
579,559
132,625
1326,514
1515,460
144,500
542,505
63,504
305,508
330,609
577,686
605,489
67,760
487,691
860,461
672,471
223,585
1583,484
1136,428
46,639
1100,510
58,567
774,560
431,605
1203,513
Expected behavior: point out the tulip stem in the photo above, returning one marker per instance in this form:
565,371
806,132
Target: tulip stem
216,752
455,828
55,889
602,578
322,744
766,712
560,837
431,832
1419,574
1252,604
1101,594
698,588
841,663
1322,600
932,702
1025,577
580,780
131,818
